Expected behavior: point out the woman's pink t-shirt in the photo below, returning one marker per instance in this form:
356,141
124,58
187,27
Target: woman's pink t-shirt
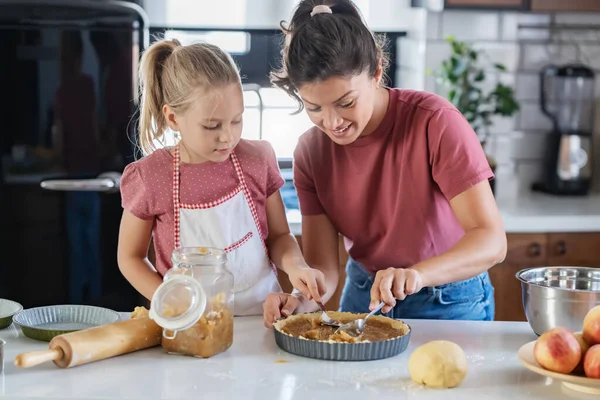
388,193
147,188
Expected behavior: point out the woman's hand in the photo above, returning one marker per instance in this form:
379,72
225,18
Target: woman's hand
279,305
394,283
309,281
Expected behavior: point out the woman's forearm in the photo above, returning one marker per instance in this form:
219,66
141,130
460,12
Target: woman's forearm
141,275
477,251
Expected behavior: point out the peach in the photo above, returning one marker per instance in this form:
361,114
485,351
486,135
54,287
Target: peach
591,326
584,348
591,363
558,350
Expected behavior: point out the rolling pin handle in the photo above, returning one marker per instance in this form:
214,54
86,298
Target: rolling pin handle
33,358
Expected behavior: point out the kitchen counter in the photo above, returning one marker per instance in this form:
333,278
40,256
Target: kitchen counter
255,368
532,213
535,213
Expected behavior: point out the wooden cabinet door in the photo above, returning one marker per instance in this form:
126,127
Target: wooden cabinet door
574,249
524,251
496,4
565,5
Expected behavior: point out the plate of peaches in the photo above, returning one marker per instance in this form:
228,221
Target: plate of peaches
572,358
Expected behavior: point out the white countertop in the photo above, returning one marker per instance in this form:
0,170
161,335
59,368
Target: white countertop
253,369
532,213
538,213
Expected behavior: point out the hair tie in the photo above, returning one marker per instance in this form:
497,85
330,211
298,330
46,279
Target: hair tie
321,8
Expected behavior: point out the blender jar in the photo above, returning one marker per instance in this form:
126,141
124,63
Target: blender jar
194,304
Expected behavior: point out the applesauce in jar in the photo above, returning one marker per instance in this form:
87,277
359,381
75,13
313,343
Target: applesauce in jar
194,304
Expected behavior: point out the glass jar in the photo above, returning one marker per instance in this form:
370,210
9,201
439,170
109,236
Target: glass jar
194,304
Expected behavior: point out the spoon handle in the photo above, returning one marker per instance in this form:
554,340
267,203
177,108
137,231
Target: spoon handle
379,307
321,306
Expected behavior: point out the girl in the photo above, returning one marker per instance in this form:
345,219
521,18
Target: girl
399,173
212,188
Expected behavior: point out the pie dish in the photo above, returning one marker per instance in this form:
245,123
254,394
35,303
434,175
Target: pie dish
303,334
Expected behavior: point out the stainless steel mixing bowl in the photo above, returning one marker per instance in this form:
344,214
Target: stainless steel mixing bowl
559,296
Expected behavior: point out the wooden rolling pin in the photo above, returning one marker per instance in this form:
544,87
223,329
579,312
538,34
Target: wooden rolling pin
94,344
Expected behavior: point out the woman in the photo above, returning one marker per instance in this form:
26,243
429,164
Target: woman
399,173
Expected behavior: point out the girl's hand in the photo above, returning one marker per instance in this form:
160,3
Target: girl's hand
394,283
279,305
309,281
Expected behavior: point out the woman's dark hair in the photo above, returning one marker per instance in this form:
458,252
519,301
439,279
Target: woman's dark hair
326,44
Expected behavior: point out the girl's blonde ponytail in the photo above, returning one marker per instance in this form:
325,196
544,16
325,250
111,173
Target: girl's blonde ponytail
152,124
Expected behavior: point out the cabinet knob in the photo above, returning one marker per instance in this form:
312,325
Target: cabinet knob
534,250
561,248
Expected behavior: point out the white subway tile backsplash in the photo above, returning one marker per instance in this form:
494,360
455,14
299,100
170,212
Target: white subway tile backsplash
502,125
528,172
520,146
411,79
529,146
435,53
502,53
591,19
434,25
527,86
506,183
510,22
412,53
590,55
578,18
431,85
535,56
469,25
503,148
531,118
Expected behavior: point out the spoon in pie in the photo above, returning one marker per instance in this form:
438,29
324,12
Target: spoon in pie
356,327
326,319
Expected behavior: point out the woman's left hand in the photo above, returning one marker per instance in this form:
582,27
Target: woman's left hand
394,283
309,281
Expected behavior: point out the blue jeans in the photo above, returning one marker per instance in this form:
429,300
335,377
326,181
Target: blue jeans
471,299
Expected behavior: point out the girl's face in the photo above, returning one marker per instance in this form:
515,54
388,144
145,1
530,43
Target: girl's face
343,107
212,127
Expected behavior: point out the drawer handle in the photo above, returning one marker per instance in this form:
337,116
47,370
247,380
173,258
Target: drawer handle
561,248
534,250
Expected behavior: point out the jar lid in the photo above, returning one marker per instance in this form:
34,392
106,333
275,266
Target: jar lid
178,303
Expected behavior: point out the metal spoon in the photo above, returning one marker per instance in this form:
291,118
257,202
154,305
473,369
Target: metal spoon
326,319
356,327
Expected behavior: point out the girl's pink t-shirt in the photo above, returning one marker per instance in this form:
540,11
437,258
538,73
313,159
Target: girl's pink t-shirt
147,188
389,193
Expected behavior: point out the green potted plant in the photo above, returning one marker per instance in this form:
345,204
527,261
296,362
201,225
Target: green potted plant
462,75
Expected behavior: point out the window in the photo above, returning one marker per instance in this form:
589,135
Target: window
278,125
230,41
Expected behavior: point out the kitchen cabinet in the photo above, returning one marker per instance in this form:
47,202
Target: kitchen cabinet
563,5
537,250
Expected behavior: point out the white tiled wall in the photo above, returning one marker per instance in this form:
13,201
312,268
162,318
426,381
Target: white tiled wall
512,39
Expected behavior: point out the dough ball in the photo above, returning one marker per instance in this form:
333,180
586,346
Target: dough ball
438,364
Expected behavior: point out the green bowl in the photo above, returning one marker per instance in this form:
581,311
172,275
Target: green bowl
8,308
44,323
